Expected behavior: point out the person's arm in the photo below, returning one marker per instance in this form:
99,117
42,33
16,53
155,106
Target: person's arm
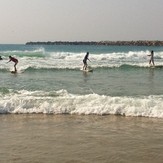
9,61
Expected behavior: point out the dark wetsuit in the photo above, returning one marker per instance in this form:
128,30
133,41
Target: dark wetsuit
15,61
85,58
85,61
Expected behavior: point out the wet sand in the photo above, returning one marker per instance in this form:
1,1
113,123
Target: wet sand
39,138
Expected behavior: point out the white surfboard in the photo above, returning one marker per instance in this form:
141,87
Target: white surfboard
152,66
17,72
87,70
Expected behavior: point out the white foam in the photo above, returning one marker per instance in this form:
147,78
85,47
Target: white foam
61,102
62,60
39,58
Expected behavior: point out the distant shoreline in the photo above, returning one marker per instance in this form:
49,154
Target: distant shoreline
107,43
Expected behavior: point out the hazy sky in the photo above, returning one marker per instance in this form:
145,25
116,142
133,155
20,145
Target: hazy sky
80,20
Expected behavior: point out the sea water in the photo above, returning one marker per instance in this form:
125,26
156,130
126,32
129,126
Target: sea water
51,111
50,80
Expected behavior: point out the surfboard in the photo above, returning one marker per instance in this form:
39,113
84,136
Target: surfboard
159,66
17,72
87,70
13,72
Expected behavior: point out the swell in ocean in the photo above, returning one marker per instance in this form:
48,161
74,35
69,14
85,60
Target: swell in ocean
121,67
62,102
25,94
40,59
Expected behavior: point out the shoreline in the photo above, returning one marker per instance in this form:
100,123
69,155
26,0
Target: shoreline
48,138
97,43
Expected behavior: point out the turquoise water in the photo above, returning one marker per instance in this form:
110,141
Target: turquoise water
49,80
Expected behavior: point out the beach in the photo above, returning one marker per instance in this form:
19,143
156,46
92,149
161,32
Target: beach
84,139
52,111
81,81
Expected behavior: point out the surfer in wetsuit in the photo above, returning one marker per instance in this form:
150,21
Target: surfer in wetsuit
1,58
151,58
85,61
13,60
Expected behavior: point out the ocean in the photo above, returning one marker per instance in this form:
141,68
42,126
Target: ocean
112,108
49,80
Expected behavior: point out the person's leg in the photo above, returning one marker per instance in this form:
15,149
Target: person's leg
15,66
150,61
86,66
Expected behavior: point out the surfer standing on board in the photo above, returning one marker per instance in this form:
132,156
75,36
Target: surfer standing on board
151,58
85,61
13,60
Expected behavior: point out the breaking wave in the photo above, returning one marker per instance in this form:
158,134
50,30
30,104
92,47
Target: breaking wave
62,102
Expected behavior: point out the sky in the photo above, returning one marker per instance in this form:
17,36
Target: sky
80,20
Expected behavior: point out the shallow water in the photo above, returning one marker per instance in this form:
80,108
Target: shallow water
73,138
49,80
62,109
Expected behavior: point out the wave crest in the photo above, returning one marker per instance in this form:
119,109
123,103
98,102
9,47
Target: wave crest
62,102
